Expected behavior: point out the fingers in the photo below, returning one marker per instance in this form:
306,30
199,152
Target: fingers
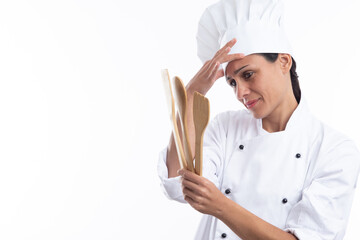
210,72
231,57
190,185
195,200
213,64
231,43
193,203
191,190
189,200
222,56
190,176
226,48
187,192
214,71
220,73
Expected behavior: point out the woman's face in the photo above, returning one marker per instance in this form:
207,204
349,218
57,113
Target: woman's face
260,85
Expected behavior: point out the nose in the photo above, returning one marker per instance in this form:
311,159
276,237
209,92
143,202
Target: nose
242,91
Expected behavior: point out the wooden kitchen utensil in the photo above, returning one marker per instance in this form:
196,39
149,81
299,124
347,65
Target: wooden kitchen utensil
201,108
181,101
171,109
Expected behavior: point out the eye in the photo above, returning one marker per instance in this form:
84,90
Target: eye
232,83
247,75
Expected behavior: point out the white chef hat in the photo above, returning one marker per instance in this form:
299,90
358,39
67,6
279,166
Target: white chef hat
257,26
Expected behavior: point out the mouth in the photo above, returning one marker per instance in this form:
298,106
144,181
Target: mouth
251,104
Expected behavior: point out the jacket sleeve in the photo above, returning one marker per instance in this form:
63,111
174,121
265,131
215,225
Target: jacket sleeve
323,211
212,154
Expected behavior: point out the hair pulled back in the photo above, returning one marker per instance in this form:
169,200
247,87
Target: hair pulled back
272,57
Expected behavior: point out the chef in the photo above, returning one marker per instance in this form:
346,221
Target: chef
272,170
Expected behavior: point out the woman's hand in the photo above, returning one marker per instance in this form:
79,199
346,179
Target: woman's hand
204,196
210,72
201,193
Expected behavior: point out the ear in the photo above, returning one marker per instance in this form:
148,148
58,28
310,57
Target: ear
285,62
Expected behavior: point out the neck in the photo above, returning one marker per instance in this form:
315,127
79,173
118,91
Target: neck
277,120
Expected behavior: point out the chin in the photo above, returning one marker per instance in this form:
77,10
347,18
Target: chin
257,115
260,111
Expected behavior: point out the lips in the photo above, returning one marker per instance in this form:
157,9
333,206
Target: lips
251,104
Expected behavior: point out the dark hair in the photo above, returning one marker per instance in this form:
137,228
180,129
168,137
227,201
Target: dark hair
272,57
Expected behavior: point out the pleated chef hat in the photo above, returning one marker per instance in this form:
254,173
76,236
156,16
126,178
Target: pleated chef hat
257,26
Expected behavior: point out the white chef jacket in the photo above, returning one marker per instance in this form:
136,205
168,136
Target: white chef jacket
301,180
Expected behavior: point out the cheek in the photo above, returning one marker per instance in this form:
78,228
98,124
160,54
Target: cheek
271,88
261,87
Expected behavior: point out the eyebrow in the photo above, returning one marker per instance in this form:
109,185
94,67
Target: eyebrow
238,70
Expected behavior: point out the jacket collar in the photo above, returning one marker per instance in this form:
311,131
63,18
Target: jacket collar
298,118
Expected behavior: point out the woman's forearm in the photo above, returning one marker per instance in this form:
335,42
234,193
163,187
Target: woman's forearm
248,226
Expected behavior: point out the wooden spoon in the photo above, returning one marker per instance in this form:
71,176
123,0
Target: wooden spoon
171,108
201,107
181,101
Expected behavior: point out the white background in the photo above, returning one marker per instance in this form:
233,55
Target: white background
83,114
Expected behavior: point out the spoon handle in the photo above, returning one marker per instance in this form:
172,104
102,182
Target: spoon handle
171,108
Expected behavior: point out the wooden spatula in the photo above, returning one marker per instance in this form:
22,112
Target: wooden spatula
171,108
181,101
201,114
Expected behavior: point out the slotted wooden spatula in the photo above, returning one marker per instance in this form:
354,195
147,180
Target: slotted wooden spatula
201,108
171,108
181,101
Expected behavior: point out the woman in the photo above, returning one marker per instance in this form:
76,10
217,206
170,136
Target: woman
272,171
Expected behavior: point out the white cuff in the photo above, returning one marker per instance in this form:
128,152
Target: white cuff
171,186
